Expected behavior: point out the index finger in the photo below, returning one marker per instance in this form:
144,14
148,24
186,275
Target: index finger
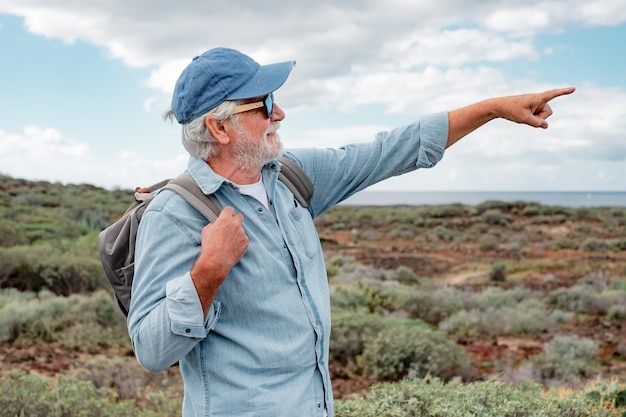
557,92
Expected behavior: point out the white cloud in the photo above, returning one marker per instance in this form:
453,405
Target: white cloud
39,144
39,154
331,39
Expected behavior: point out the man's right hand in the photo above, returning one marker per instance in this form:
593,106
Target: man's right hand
224,242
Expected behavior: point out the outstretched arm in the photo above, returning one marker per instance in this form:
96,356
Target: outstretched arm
529,109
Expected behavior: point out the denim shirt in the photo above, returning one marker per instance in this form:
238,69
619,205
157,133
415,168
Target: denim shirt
262,349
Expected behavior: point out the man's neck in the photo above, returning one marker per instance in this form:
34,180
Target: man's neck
233,173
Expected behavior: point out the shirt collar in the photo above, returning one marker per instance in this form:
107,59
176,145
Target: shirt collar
209,181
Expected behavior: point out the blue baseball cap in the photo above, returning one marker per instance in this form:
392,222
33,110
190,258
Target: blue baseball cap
222,74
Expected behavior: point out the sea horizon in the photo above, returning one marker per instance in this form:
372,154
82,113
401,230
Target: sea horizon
573,199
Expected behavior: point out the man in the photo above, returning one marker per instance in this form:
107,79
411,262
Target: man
243,304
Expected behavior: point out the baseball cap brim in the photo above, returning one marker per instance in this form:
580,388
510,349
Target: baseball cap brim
267,79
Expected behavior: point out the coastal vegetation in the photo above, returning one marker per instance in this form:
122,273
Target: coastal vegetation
502,308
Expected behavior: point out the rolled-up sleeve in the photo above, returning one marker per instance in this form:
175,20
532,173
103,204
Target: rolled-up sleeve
184,310
433,139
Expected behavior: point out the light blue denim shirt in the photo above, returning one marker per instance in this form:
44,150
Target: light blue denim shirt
262,349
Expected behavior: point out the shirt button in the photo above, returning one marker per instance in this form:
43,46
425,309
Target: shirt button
187,330
319,405
260,209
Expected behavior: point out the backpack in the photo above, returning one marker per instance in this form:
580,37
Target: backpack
116,243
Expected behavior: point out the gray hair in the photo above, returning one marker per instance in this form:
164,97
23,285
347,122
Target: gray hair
196,137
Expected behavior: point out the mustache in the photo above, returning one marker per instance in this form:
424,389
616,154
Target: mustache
272,128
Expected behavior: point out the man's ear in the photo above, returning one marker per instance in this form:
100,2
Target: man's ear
218,129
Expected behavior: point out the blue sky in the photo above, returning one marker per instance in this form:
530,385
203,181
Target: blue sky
84,86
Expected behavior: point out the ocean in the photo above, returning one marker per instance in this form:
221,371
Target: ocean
572,199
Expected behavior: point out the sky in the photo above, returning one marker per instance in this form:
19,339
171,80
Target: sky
84,85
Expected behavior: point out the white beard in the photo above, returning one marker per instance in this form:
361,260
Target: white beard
250,154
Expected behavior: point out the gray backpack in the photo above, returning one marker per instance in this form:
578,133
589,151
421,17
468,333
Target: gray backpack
116,243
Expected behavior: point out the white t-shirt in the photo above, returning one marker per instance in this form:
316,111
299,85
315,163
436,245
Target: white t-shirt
258,191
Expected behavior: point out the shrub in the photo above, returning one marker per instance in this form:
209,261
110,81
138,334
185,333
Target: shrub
402,352
432,398
583,299
406,276
493,297
447,235
350,332
616,312
495,217
498,272
128,379
34,396
488,243
564,243
559,316
594,245
77,322
528,318
564,360
620,244
430,305
33,268
531,210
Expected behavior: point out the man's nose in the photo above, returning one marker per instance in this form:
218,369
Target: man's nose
277,113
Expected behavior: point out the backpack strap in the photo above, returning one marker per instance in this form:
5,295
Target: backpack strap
298,182
290,174
187,187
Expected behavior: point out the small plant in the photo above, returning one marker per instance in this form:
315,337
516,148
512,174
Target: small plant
412,352
429,304
495,217
498,272
406,276
431,397
594,245
565,360
488,243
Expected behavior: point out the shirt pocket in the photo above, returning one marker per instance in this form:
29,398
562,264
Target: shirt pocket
305,230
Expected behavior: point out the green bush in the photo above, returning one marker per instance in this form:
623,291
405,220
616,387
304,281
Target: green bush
128,379
34,396
406,276
494,297
77,322
432,398
488,243
447,235
429,304
565,359
594,245
564,243
498,272
620,244
495,217
526,318
44,266
402,352
584,299
352,331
